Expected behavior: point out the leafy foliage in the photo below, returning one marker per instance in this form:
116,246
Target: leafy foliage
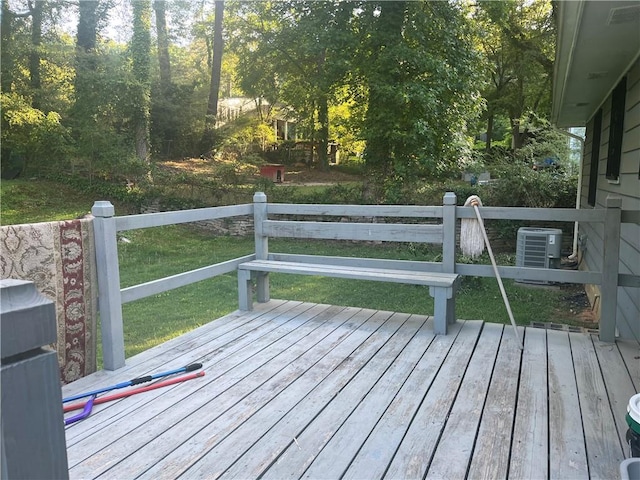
38,137
399,84
517,41
420,70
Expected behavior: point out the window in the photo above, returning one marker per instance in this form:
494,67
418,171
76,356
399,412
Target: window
616,129
595,158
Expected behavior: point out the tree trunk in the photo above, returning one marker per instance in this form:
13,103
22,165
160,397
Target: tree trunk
517,137
86,97
6,52
489,129
87,25
323,132
163,45
141,52
216,67
323,117
516,115
34,56
86,36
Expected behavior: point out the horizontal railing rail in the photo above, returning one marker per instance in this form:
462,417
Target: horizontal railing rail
154,287
436,224
535,214
160,219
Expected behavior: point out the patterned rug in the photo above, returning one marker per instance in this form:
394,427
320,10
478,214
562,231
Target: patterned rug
59,257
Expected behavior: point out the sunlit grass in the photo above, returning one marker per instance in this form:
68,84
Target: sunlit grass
26,201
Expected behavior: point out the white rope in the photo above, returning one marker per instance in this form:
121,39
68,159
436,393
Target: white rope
471,238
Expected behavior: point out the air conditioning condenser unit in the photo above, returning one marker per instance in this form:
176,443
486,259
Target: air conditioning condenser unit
538,248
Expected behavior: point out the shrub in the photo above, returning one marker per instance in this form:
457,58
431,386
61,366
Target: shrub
518,185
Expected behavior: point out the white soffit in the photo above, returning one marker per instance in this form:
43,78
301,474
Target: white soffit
597,42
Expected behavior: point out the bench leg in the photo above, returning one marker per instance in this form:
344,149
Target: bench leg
444,309
262,287
451,310
245,295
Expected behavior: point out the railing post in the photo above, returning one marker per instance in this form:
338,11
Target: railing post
109,299
262,244
449,232
33,440
610,269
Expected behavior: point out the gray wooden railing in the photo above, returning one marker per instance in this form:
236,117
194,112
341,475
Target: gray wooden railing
112,296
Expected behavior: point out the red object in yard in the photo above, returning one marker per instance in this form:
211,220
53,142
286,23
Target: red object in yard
273,172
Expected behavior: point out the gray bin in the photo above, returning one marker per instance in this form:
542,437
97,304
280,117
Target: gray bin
630,469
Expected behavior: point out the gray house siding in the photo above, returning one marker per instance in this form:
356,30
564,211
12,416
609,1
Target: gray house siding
628,189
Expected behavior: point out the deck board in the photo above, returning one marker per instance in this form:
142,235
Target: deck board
567,454
618,384
211,466
529,444
603,445
630,352
225,346
207,419
462,424
377,451
421,439
338,452
493,443
300,390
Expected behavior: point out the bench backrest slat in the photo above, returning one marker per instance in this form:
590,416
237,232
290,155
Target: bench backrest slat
399,211
385,232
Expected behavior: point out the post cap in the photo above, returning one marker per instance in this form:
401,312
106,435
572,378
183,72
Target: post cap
103,208
449,198
259,197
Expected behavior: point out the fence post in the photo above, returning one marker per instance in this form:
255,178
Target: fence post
610,269
449,232
109,299
262,244
33,440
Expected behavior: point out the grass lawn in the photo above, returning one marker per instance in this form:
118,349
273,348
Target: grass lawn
37,200
163,251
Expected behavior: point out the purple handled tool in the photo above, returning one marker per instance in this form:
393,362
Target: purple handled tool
86,411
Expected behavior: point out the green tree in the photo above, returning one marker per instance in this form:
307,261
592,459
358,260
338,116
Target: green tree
36,72
420,71
296,53
517,39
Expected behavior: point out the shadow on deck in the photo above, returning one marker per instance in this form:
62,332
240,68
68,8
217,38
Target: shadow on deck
304,390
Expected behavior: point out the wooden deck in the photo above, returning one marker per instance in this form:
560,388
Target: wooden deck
297,390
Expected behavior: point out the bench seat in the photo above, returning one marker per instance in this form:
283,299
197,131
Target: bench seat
442,286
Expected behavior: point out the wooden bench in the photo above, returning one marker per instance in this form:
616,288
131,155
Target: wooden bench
438,276
442,286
